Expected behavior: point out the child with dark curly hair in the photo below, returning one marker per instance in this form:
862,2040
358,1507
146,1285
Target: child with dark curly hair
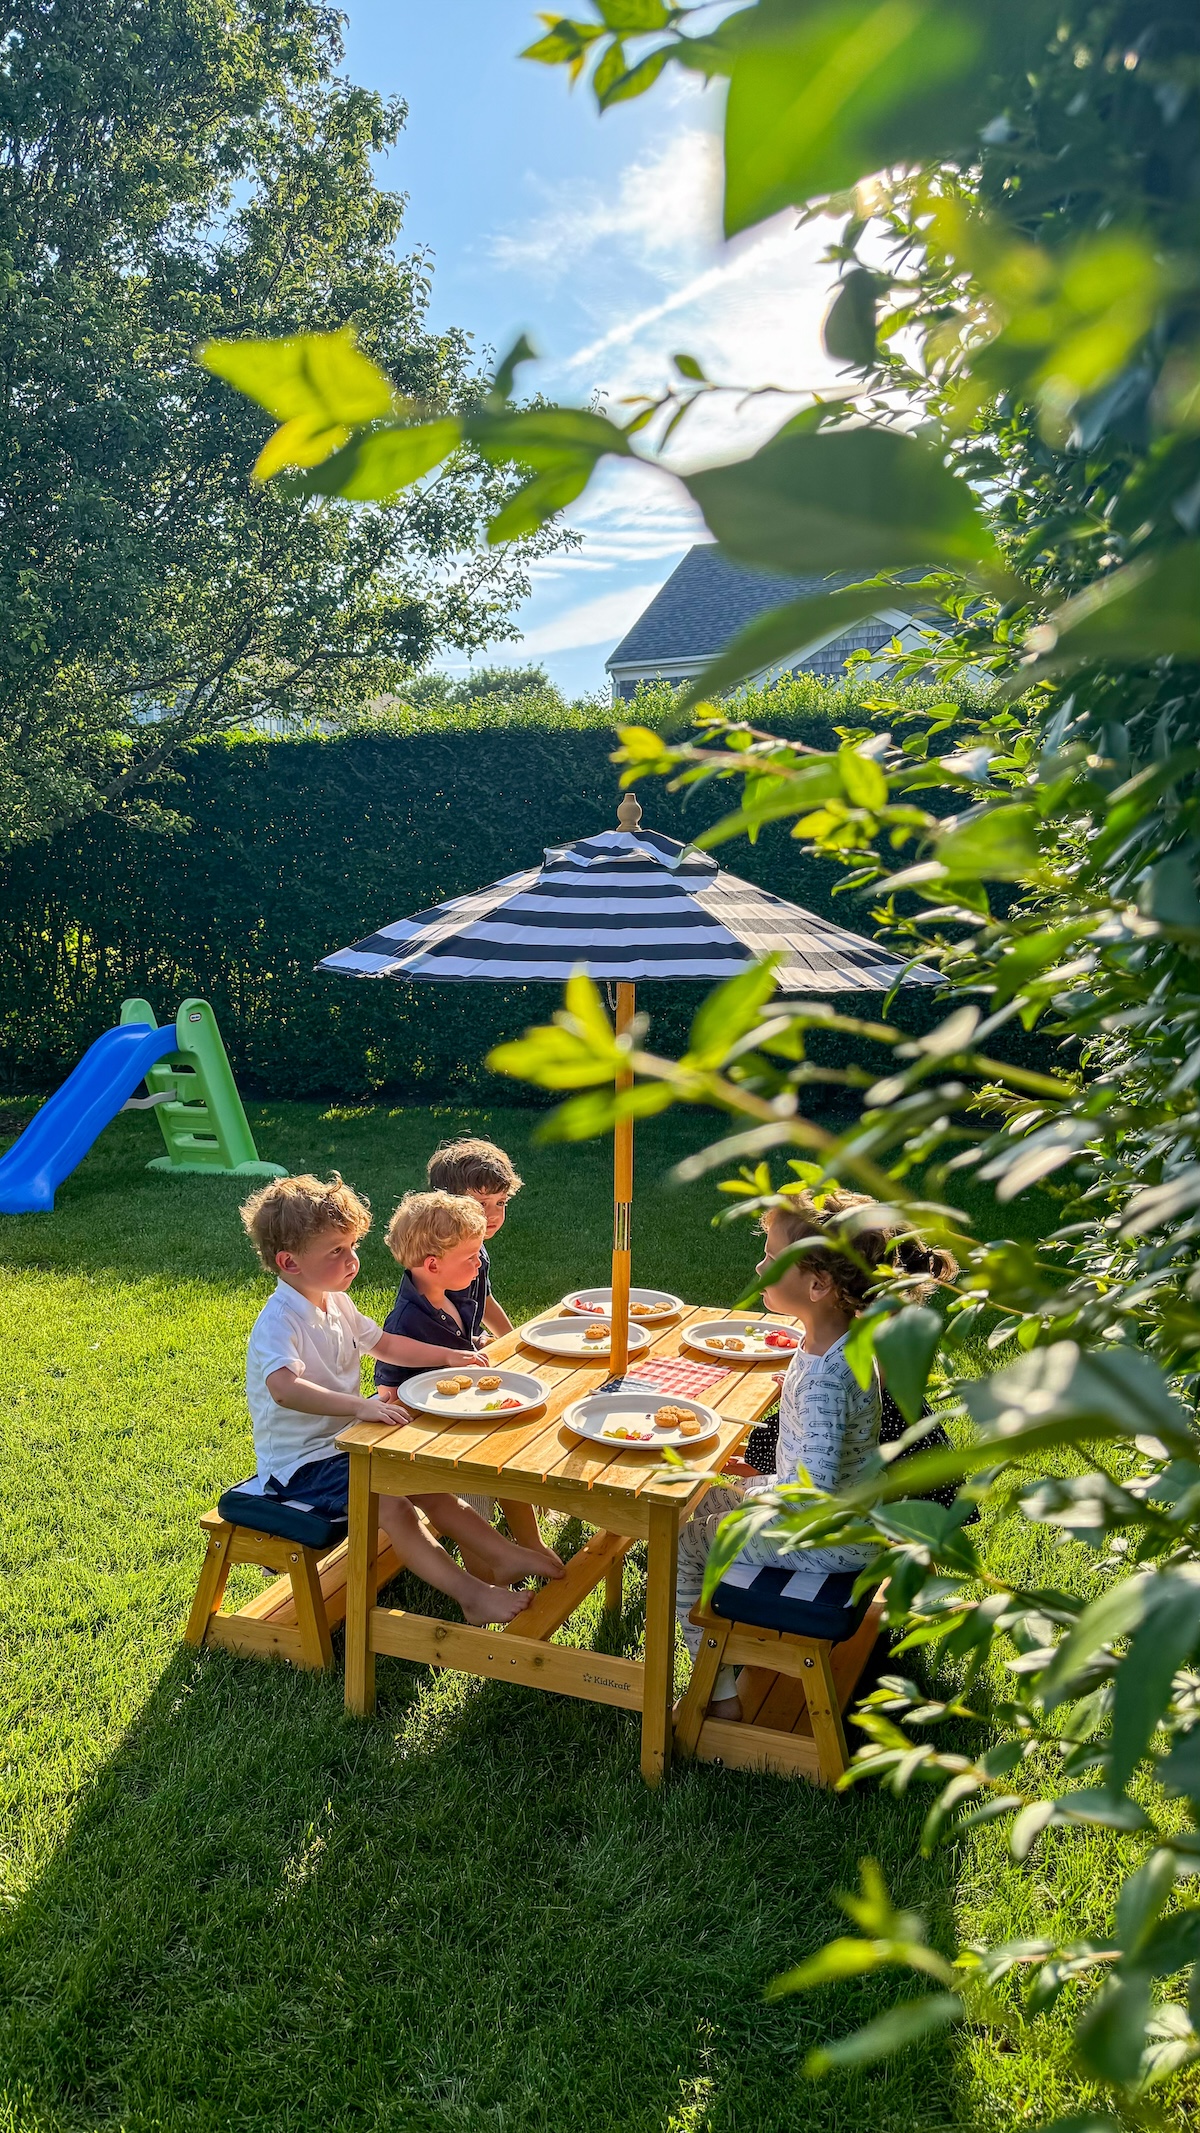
828,1423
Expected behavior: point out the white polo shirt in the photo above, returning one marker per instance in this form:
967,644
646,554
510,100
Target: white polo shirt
323,1346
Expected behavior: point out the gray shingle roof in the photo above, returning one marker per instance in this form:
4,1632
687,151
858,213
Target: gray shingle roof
704,601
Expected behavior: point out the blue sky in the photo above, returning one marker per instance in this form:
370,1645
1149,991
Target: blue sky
597,237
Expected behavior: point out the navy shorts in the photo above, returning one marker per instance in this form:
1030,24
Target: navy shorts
323,1483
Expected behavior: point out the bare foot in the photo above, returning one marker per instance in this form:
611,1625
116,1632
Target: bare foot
549,1565
726,1707
513,1562
494,1603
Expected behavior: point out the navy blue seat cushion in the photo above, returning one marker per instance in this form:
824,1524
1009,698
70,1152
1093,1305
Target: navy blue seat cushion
765,1604
287,1517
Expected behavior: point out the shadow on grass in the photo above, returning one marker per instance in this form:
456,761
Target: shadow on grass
467,1912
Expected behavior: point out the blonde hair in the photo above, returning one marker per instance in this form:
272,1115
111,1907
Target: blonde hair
862,1243
426,1224
468,1165
289,1213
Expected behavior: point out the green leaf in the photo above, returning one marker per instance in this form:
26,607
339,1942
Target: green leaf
635,80
859,1347
1139,613
539,499
1114,1614
585,1117
688,367
847,1957
634,17
1180,1770
826,94
543,437
500,389
901,2025
1112,2032
849,328
1172,1944
732,1535
1161,1203
1168,892
865,499
609,71
1111,1391
566,42
323,375
319,385
906,1346
864,781
794,795
383,462
1165,1641
1036,952
582,1002
1142,1898
786,633
729,1012
1028,1827
999,844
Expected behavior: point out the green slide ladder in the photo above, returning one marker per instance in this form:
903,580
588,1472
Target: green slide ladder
196,1100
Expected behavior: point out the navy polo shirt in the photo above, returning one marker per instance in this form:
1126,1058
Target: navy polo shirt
417,1319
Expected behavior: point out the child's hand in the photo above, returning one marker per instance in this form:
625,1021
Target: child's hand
741,1470
389,1394
377,1410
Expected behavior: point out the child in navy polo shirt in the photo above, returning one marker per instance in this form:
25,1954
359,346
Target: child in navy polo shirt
438,1239
483,1171
303,1387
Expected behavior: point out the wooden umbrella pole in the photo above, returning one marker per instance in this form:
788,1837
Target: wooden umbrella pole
622,1202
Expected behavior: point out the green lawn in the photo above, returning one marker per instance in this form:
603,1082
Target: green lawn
227,1907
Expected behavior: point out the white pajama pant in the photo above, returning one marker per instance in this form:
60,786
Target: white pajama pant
485,1505
696,1540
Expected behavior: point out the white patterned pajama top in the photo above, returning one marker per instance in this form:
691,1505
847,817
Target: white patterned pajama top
829,1425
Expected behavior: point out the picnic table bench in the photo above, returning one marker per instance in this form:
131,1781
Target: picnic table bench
625,1496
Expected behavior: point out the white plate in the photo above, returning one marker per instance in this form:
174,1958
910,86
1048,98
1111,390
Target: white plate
421,1393
565,1336
597,1416
595,1303
751,1331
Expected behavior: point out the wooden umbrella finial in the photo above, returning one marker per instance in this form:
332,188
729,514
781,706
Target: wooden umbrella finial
629,813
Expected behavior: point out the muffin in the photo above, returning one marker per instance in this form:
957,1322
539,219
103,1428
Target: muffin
671,1417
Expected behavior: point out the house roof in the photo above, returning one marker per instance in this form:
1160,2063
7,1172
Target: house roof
704,602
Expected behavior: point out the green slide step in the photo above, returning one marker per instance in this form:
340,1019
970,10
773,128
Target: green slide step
203,1121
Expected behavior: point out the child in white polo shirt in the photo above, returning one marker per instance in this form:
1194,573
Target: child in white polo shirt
303,1385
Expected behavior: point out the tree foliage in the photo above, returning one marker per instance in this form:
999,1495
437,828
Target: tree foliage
170,172
1014,196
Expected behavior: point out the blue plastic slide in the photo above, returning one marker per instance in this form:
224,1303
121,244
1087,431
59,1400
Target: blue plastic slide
60,1134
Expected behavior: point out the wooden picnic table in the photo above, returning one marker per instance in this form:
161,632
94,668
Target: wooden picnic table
534,1459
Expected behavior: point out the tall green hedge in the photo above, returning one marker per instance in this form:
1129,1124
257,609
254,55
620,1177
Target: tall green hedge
289,848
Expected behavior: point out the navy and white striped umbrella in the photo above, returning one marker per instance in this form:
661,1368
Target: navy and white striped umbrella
626,905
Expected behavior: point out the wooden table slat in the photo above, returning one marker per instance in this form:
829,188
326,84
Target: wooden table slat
537,1449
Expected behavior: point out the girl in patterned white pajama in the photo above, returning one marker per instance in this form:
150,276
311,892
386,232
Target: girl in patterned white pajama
828,1423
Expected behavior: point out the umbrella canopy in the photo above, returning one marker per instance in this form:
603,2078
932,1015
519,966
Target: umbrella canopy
626,905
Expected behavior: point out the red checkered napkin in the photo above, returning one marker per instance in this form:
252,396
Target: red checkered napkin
677,1373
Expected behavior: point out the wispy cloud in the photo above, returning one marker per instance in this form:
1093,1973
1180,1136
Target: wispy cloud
626,277
646,264
603,620
666,209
